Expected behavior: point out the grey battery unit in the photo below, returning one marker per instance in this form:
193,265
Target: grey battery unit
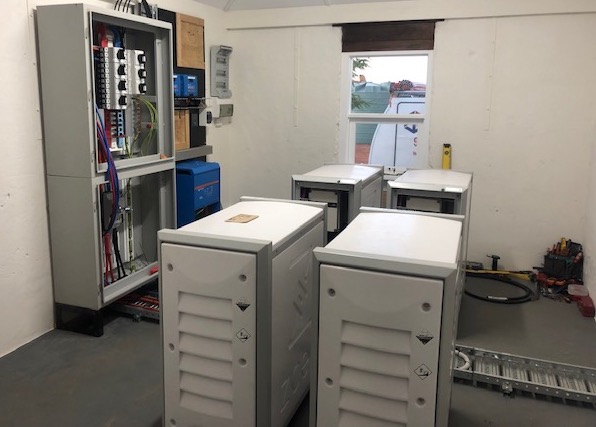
344,187
236,292
386,318
434,190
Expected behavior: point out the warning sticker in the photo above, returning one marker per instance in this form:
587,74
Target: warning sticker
424,337
242,335
422,371
242,304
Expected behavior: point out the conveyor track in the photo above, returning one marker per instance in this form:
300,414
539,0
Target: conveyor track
526,376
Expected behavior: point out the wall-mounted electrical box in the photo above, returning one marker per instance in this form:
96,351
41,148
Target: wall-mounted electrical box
220,71
386,316
345,188
236,294
109,149
226,110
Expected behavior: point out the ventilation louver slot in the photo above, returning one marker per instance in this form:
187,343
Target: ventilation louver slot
206,374
374,376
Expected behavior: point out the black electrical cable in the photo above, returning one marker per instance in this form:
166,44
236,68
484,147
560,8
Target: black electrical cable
119,263
122,32
148,10
527,296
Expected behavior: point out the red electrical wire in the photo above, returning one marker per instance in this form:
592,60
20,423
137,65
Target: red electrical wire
107,245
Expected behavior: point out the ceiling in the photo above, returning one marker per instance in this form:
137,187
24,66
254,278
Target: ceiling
230,5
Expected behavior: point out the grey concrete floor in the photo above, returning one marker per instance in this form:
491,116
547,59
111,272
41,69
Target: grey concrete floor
66,379
543,329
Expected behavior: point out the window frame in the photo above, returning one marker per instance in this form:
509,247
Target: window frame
348,120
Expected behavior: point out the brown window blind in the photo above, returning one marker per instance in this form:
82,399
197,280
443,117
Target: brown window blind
381,36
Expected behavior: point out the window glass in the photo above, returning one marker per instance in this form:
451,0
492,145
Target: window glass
389,85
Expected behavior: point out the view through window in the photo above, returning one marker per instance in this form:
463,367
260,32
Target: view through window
387,123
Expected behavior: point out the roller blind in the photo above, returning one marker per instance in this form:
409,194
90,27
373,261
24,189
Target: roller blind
381,36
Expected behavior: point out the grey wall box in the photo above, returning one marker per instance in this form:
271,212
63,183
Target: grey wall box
386,316
220,71
236,300
72,42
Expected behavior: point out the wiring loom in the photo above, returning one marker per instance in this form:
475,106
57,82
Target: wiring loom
113,186
153,115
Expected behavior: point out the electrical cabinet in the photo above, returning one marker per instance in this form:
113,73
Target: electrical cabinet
236,305
345,188
106,85
434,190
386,316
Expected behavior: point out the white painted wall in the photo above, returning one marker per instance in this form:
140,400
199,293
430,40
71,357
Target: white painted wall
513,96
26,309
25,274
286,94
401,11
590,239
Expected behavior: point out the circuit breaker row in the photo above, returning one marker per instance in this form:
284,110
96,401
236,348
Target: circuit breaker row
121,72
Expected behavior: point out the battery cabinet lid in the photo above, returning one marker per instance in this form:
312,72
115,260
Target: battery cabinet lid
416,238
353,172
275,221
433,179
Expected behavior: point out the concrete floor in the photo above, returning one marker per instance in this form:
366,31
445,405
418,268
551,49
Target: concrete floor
66,379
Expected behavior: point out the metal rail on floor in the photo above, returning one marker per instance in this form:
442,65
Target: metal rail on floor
526,376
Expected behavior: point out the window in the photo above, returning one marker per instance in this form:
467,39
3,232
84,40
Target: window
385,93
384,108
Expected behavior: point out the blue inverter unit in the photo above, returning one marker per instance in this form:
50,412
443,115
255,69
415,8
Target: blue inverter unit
189,85
177,85
197,190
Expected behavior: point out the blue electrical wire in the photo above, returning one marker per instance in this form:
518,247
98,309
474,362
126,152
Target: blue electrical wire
111,173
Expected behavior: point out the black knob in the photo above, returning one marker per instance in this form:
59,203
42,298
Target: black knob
122,85
142,73
121,70
122,101
142,58
120,54
142,88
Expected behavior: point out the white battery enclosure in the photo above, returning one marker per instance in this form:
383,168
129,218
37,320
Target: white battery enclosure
345,188
424,190
236,314
389,285
434,190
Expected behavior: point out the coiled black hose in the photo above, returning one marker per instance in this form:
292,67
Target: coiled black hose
527,296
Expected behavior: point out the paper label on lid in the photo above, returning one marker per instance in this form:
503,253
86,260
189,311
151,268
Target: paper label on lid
242,218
